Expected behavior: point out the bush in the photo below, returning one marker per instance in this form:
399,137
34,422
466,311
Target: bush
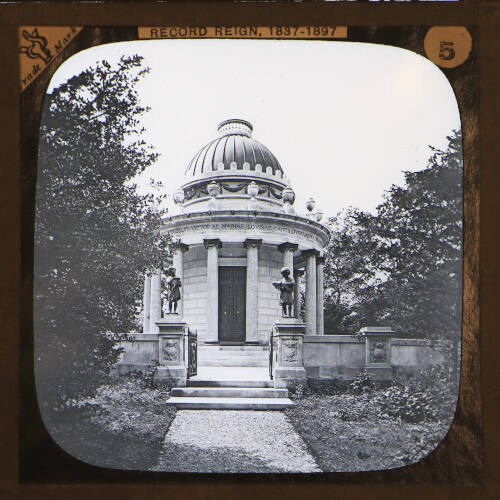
430,395
327,386
361,383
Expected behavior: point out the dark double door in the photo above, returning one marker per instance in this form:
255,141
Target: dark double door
232,304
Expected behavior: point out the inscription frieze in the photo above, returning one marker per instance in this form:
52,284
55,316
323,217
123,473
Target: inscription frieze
245,226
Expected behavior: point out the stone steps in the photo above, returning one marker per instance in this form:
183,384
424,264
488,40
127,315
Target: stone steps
182,403
231,383
229,392
229,395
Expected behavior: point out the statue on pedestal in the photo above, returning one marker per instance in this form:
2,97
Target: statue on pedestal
286,287
173,290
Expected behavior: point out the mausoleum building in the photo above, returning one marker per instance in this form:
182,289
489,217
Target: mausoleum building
241,258
236,229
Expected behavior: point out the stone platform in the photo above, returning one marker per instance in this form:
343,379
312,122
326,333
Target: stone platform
233,356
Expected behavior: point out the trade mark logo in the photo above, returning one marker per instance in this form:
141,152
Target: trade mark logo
38,47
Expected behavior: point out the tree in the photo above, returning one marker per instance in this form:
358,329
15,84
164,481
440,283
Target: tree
420,227
94,235
402,267
350,275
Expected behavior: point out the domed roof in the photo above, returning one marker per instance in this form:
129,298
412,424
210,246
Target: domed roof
234,144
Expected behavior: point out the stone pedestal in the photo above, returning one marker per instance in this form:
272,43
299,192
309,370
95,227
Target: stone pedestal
289,372
172,355
378,352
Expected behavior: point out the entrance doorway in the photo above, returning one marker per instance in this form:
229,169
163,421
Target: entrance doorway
232,304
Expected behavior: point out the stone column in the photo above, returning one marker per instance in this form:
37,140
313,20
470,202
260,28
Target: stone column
212,246
146,303
297,275
320,298
287,250
310,256
179,269
252,305
155,304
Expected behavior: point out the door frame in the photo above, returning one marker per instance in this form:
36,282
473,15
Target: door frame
237,263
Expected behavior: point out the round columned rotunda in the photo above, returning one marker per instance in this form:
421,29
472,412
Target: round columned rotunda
236,228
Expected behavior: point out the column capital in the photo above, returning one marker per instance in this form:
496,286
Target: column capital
299,272
252,243
214,242
320,260
180,246
309,253
288,246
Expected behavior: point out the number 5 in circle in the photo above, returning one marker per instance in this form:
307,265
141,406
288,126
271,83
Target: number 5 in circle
446,51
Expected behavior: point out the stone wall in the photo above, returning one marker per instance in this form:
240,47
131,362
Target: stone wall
342,356
329,356
415,354
138,354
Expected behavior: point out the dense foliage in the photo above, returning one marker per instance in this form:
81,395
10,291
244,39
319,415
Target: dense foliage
94,235
403,266
122,426
369,425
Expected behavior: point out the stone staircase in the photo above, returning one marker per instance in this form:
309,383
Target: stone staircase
231,378
229,395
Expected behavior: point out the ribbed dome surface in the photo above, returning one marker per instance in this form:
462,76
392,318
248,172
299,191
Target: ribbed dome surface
235,144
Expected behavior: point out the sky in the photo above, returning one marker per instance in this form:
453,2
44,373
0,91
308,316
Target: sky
343,119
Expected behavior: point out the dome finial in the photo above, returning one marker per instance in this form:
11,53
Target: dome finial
235,127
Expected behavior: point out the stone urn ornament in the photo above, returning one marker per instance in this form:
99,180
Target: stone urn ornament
288,200
179,196
213,190
253,191
310,203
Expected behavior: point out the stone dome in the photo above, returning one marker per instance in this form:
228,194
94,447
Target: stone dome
234,145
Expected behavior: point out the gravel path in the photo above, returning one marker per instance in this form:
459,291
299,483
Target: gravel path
234,441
